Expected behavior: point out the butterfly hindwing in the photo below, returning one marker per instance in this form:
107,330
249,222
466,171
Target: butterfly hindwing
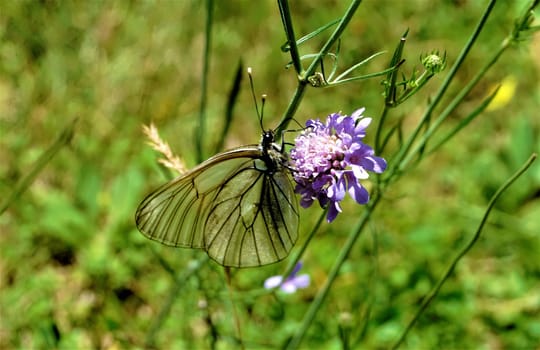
252,222
242,213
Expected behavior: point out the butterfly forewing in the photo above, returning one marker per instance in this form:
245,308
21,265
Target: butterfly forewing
232,205
175,213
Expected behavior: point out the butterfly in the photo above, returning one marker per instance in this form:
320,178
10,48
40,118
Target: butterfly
239,206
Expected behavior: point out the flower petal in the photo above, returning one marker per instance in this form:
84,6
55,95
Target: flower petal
361,127
306,201
359,172
358,192
288,287
301,281
374,163
297,268
321,181
333,210
336,192
358,113
273,282
323,199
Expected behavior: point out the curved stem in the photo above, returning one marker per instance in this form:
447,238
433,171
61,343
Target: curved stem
405,149
333,38
199,133
450,108
427,300
302,78
285,13
323,292
291,109
300,253
63,139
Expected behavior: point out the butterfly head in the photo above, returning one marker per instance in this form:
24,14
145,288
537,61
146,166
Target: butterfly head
267,141
272,153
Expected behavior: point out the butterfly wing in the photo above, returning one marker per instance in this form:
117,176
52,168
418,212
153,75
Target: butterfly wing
254,218
241,213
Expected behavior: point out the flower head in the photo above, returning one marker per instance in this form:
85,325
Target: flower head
291,283
330,159
434,62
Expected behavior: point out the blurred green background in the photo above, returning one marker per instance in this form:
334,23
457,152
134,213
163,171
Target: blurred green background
75,272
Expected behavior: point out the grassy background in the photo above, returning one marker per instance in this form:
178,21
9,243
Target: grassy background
74,271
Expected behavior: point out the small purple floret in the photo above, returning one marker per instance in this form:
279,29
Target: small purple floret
330,159
291,283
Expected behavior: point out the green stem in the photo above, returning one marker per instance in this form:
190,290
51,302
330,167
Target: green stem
463,123
291,108
289,32
337,82
349,13
43,160
433,293
341,77
405,149
323,292
201,127
379,145
302,78
179,282
300,253
451,107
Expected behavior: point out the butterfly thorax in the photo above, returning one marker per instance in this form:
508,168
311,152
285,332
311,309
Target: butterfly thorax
272,154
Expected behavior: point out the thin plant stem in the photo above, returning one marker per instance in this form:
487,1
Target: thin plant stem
446,83
433,293
303,78
179,282
289,32
463,123
63,139
285,47
236,316
349,13
390,94
291,108
341,77
199,133
231,102
379,144
361,77
332,275
450,108
300,253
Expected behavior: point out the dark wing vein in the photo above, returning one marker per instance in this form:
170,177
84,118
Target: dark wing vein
289,205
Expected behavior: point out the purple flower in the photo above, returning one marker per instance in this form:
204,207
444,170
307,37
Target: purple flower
291,283
330,159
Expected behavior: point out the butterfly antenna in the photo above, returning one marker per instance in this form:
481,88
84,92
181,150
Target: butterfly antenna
300,125
259,115
263,101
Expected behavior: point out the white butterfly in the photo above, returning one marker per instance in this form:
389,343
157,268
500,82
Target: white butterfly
239,206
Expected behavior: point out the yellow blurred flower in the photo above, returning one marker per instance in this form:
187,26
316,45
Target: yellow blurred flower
505,93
